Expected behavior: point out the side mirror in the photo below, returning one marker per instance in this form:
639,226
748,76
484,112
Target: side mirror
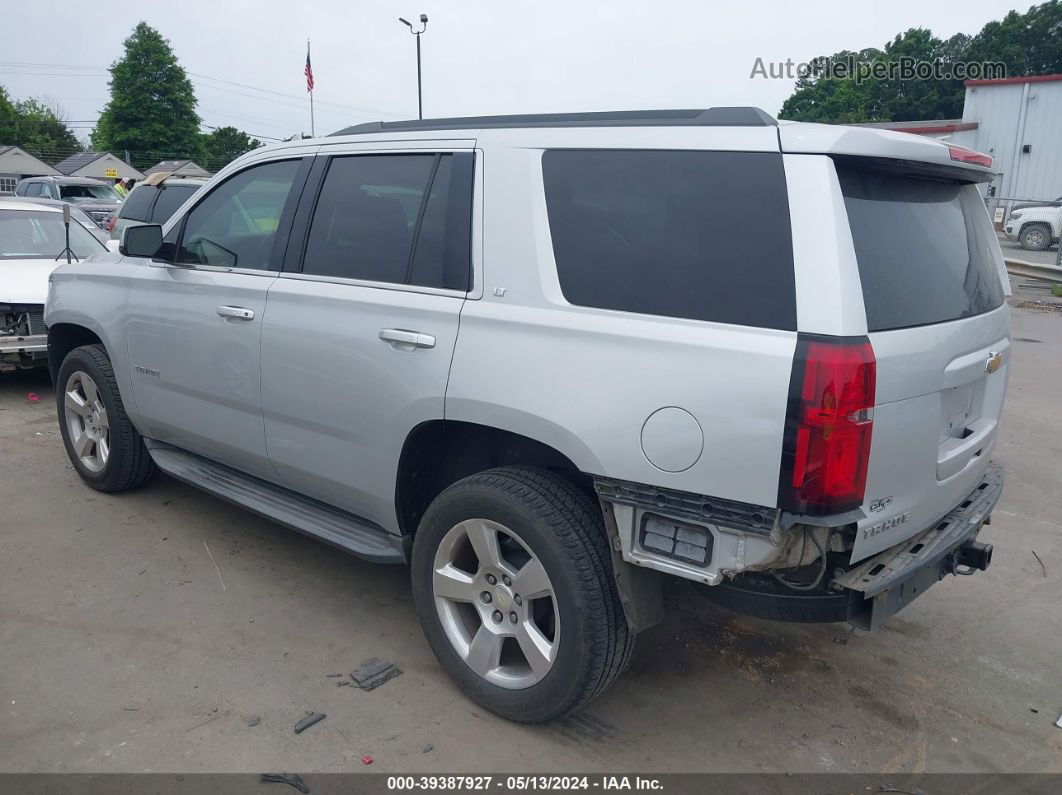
143,240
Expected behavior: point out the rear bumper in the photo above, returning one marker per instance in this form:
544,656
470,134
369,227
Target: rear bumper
882,585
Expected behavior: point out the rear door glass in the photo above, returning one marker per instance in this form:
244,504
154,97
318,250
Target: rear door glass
923,248
137,205
170,198
401,219
689,234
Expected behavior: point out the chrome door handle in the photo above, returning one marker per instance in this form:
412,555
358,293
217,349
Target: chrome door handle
235,313
406,340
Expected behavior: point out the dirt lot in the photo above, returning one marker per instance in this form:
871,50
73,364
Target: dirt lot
124,648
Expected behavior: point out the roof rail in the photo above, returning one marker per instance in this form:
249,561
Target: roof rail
712,117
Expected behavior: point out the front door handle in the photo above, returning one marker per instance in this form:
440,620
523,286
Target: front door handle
406,340
235,313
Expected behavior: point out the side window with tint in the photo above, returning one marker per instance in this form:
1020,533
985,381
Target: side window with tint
170,198
235,226
402,219
137,204
688,234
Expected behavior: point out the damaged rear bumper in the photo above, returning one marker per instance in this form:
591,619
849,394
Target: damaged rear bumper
882,585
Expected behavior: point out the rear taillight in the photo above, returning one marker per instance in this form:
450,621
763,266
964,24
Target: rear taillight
829,422
111,221
964,155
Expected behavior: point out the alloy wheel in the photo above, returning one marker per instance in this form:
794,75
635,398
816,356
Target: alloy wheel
496,603
86,421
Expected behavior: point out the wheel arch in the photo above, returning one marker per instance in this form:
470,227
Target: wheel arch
63,338
438,453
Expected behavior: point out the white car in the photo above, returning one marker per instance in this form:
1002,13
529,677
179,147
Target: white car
32,238
1035,228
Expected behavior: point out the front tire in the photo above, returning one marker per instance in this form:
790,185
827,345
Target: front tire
513,586
1035,237
100,440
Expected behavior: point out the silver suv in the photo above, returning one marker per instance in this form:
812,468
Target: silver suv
552,361
97,198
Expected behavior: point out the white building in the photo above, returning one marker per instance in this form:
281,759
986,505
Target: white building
1017,120
98,165
16,164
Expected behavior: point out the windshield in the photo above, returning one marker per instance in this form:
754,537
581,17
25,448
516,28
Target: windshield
88,193
38,235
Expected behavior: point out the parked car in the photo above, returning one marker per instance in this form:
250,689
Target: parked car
32,237
1056,202
1036,228
153,201
97,198
76,214
551,360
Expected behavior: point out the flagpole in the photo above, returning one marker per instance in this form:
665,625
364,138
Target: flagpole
313,130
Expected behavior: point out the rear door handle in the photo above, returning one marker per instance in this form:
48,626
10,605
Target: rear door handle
235,313
406,340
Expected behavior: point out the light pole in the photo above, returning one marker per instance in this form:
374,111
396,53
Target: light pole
423,27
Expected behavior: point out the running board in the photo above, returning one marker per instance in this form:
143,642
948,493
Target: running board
280,505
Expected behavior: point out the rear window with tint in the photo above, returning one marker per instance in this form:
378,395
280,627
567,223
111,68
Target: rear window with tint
690,234
137,204
923,249
170,198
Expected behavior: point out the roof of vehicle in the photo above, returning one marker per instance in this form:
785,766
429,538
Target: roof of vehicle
68,180
710,117
165,178
22,204
55,204
737,128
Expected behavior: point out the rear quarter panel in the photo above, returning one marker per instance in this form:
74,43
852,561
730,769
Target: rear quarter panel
585,380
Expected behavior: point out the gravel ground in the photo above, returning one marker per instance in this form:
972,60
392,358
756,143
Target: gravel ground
164,630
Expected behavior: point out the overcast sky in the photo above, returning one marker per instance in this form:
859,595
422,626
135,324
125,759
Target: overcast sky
479,57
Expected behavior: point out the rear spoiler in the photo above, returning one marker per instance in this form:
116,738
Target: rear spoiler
886,150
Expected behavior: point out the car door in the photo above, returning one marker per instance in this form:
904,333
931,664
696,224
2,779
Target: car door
361,325
194,318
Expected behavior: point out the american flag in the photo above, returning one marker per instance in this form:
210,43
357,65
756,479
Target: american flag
309,69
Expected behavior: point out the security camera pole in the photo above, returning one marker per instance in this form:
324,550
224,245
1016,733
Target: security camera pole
424,26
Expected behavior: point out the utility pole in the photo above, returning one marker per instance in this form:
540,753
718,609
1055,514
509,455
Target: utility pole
424,26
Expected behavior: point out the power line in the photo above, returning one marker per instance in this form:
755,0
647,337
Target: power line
102,71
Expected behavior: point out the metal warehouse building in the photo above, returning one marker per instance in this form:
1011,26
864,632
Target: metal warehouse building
1018,121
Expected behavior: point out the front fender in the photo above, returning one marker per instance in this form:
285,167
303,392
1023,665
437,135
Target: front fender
92,295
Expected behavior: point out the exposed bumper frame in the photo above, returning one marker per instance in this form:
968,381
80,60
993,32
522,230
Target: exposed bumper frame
37,343
905,571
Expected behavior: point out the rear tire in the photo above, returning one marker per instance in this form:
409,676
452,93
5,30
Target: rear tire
1035,237
538,517
104,447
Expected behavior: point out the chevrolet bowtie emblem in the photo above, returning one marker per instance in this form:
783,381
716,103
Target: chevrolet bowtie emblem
994,362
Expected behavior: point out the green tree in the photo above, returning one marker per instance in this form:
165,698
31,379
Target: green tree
1027,44
223,145
35,127
41,131
152,107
